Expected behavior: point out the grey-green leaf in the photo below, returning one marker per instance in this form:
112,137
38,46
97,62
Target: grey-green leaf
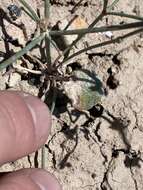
16,56
85,90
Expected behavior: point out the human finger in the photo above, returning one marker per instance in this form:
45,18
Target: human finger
29,179
25,123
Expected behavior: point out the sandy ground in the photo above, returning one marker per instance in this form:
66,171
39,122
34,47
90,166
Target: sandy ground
104,153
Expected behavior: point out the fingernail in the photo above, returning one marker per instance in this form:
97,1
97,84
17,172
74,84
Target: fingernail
40,115
41,186
45,181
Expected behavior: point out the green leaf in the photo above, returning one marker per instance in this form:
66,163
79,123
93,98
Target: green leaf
112,5
85,90
47,9
15,57
30,9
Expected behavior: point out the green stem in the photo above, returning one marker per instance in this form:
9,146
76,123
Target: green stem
122,14
16,56
101,15
29,8
89,28
98,29
47,9
112,5
116,40
43,165
29,14
48,57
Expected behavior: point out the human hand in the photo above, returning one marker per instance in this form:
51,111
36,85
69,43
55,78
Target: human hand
24,127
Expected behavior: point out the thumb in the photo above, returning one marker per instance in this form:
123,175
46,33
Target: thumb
24,125
29,179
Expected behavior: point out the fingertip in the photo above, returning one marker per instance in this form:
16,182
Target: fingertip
33,179
45,180
25,123
41,118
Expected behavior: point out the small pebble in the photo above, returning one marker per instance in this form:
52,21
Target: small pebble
108,34
14,11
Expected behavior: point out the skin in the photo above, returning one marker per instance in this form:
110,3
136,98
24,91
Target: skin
25,123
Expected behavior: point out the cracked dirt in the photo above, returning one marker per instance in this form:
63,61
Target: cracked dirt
101,149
